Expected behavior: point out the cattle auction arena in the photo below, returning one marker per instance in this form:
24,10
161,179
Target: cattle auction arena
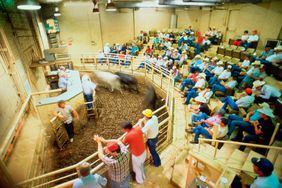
113,108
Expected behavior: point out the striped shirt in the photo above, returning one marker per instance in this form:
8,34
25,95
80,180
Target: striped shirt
118,167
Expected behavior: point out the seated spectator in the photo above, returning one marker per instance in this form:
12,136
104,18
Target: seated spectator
218,69
215,119
88,180
250,43
266,177
159,62
190,81
209,67
244,38
224,86
208,132
225,75
149,51
218,37
244,101
146,59
264,92
192,90
260,130
265,54
252,74
235,120
197,114
134,50
182,58
197,64
274,58
246,63
175,55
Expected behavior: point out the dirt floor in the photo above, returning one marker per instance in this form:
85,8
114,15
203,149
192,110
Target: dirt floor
113,108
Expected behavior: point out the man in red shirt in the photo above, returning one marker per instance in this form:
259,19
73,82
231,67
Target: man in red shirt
134,138
149,50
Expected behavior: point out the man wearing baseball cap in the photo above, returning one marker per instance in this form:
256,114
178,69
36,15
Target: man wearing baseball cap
266,177
245,101
117,161
151,130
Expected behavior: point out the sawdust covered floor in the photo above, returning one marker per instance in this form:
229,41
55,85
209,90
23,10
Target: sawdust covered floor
113,108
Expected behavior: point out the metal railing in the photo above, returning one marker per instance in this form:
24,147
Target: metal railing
64,177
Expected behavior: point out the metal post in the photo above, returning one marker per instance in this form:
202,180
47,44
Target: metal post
119,64
153,70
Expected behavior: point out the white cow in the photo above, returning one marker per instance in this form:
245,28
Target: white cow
109,80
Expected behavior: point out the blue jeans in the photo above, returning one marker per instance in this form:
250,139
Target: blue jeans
235,121
213,80
123,184
193,69
208,74
191,94
199,130
198,117
89,98
186,82
151,143
229,101
218,87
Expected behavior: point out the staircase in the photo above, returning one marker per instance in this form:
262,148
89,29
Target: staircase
228,159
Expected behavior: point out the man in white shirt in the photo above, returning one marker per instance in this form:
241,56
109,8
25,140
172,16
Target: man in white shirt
208,132
265,93
107,48
151,130
250,43
224,86
244,101
225,75
88,88
218,69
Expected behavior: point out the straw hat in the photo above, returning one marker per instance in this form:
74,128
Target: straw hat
200,99
266,111
184,52
258,83
197,57
219,63
229,67
264,105
278,47
256,63
203,75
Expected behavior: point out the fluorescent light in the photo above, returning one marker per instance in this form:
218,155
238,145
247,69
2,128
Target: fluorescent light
28,5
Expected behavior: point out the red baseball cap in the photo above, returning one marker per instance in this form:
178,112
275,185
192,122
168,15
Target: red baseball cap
248,91
112,146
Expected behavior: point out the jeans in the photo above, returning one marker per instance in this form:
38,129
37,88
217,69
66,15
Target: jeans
213,80
218,87
89,98
229,101
191,94
70,130
198,117
199,130
208,74
186,82
248,138
193,69
123,184
151,143
261,100
235,121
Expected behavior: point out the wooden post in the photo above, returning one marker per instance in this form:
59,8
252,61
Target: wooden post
215,150
275,156
215,130
95,62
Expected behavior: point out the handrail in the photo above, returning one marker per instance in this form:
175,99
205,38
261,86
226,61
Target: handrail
46,92
240,143
84,160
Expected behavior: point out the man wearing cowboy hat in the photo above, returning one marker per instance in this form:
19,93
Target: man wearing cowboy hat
225,75
197,64
151,130
276,57
262,128
265,93
252,74
193,91
218,69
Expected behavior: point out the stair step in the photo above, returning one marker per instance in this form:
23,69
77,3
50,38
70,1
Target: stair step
236,160
180,169
225,152
248,165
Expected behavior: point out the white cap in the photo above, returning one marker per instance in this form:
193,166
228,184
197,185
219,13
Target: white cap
229,66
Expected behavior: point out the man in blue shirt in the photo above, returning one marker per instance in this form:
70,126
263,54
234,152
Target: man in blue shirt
88,180
266,177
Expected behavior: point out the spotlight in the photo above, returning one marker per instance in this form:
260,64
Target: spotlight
110,7
28,5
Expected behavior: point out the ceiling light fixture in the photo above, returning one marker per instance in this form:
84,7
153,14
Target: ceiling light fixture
96,8
57,12
28,5
110,7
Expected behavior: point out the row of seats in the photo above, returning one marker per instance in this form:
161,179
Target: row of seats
236,51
